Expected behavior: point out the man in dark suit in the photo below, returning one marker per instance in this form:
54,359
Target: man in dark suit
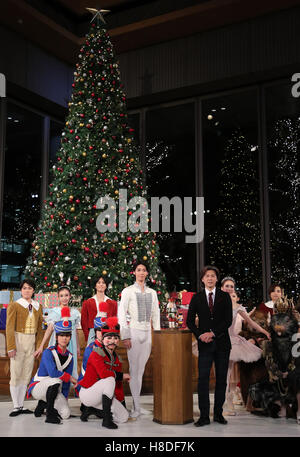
213,308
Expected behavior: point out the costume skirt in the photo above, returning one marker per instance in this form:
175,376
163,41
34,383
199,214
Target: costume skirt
243,350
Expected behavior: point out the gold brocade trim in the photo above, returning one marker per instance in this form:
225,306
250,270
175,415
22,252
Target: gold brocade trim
30,325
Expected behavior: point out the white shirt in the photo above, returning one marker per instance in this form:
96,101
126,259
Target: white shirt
208,292
269,304
213,298
25,303
97,301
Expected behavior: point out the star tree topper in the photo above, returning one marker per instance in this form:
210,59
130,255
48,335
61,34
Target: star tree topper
98,13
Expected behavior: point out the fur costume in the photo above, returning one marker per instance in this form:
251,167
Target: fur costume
251,373
283,367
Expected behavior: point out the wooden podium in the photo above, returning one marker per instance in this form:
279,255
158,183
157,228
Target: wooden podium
172,376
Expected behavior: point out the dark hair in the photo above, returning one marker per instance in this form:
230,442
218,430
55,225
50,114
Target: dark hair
207,268
64,334
98,329
140,262
30,282
97,278
237,293
273,287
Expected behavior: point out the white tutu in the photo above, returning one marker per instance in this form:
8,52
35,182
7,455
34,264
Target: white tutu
242,349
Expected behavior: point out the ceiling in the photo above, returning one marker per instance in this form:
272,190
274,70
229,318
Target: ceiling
132,24
79,7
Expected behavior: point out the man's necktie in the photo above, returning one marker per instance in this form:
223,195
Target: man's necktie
210,301
30,307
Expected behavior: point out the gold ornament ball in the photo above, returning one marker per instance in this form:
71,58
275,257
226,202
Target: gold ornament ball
84,154
64,191
145,257
104,156
40,264
104,272
131,160
72,209
37,247
55,286
123,246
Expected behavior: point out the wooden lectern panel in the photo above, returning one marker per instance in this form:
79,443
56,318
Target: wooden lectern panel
172,377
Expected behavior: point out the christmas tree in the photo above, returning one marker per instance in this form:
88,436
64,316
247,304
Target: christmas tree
234,243
285,202
97,159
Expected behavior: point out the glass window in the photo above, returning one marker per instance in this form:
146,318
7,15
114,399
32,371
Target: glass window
170,168
231,190
22,184
134,123
283,141
55,138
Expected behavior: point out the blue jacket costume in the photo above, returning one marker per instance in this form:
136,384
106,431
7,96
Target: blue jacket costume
87,352
54,364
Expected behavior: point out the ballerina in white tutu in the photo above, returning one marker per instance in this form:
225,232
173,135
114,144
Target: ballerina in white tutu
242,349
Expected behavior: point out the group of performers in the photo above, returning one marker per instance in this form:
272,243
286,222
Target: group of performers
100,383
247,350
255,354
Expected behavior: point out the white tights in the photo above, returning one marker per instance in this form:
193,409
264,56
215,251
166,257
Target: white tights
92,396
138,356
230,385
39,392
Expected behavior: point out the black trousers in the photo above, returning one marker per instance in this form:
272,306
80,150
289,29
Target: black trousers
221,361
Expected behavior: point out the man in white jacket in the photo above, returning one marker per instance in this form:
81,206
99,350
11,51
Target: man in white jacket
138,309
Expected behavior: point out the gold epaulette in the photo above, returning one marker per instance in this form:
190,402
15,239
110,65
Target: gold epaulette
99,351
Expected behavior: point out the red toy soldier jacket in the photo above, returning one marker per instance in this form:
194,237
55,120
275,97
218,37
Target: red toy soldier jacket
102,365
89,311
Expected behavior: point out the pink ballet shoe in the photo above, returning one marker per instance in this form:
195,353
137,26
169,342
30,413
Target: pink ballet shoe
237,398
230,406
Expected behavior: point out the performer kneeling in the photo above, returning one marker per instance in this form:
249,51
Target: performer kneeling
51,384
103,363
98,323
